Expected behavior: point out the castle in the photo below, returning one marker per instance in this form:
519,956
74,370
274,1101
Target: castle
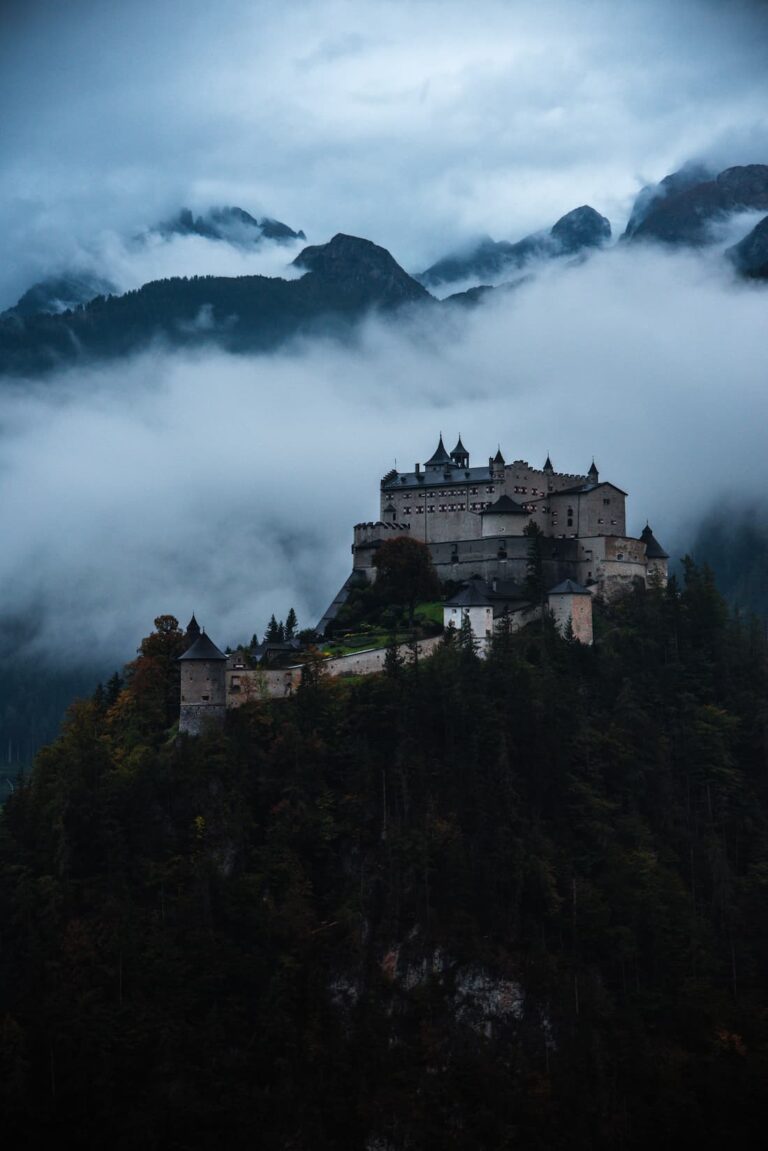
476,522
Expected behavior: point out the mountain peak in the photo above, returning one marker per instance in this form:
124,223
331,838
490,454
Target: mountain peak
362,267
581,228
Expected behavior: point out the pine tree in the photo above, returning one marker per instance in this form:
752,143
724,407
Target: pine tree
273,630
291,623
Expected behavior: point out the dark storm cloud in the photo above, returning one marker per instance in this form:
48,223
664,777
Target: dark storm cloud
414,123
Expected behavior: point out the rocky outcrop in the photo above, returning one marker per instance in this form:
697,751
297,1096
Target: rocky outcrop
750,255
684,208
231,224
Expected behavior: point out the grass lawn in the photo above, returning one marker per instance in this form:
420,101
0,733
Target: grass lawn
433,611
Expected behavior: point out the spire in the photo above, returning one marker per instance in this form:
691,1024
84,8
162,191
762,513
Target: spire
440,455
548,464
593,473
193,628
498,458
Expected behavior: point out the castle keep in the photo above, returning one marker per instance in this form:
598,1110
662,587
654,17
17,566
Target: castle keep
474,520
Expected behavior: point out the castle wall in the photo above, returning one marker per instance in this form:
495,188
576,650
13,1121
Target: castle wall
576,610
368,538
504,525
505,557
244,685
613,562
195,718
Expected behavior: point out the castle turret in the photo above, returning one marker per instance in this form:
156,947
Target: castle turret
593,474
655,556
460,455
203,686
498,468
439,460
548,466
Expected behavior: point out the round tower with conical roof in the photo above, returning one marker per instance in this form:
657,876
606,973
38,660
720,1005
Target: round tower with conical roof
655,556
203,686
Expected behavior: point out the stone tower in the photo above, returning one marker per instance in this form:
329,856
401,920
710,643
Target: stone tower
203,686
569,602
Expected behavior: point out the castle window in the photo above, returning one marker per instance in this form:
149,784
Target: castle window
205,698
613,521
431,508
570,522
606,502
490,490
601,521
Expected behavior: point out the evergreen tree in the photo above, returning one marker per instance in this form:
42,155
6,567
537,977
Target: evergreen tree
291,623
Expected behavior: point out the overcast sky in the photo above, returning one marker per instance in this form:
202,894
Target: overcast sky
415,124
411,122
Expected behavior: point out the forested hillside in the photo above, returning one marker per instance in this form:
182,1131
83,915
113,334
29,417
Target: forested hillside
517,902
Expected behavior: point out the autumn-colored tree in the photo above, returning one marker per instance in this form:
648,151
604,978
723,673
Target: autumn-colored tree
406,573
151,695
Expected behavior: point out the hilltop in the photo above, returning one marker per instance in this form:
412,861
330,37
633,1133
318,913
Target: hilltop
462,904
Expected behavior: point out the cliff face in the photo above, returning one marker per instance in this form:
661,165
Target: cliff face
464,904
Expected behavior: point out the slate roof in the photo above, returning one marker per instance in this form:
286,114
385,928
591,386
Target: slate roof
504,506
568,587
498,458
583,489
203,648
473,594
402,481
477,593
548,465
459,450
653,549
440,455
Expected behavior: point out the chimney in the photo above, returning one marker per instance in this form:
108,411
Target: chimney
418,468
490,463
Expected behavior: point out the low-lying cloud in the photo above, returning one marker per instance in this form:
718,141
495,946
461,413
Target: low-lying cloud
229,485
